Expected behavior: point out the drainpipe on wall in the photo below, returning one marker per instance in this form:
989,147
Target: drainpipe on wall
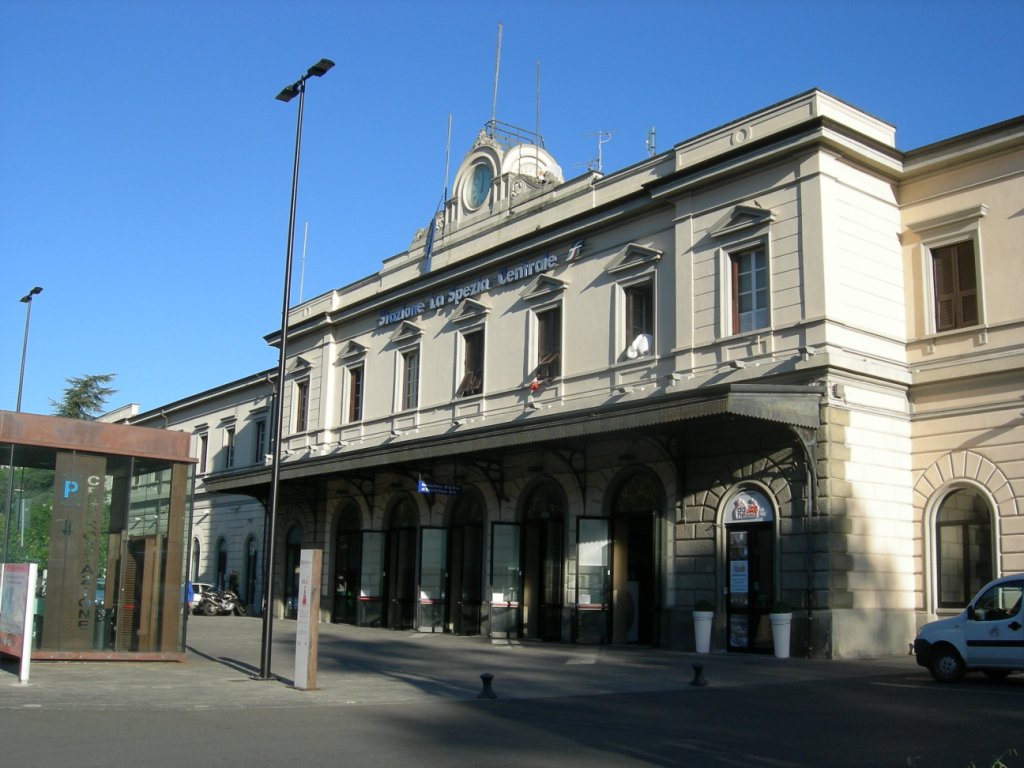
808,443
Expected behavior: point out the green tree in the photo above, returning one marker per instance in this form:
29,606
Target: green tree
84,397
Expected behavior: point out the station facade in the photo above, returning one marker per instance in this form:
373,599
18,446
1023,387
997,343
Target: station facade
778,363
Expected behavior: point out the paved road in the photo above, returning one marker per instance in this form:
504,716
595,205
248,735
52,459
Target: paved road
387,698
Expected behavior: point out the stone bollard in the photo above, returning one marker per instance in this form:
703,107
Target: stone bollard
487,692
698,676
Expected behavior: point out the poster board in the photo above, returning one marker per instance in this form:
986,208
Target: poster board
17,596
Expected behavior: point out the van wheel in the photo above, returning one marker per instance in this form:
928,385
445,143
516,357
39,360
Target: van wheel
996,674
946,665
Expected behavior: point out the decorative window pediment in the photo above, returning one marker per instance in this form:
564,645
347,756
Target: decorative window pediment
635,257
406,332
300,363
744,219
470,310
956,222
543,287
351,351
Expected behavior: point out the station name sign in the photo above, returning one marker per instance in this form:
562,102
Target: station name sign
457,293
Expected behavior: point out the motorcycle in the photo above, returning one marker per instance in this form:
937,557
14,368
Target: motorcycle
215,603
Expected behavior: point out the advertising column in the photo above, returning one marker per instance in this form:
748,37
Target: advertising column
308,619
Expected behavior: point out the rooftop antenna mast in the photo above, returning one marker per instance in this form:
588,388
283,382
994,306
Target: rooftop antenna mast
651,151
494,98
603,137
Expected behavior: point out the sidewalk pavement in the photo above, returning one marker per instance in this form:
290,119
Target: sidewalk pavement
363,666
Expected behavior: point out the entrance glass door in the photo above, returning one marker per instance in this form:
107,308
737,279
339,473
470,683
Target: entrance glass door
635,584
370,604
466,573
542,580
401,581
433,575
506,578
347,561
750,569
593,579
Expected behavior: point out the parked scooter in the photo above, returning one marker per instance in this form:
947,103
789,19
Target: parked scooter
214,603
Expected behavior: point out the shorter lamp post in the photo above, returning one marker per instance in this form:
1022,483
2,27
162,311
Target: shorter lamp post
27,301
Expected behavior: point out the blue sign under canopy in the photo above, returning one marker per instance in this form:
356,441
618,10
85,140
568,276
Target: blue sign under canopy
443,489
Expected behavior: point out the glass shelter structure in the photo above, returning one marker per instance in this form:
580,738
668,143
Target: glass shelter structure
104,510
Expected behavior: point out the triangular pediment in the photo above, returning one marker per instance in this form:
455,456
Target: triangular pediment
470,310
635,257
299,363
351,350
543,288
741,219
407,332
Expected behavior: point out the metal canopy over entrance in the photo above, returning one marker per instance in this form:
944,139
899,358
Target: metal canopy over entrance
794,406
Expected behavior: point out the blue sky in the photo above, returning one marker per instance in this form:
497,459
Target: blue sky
145,166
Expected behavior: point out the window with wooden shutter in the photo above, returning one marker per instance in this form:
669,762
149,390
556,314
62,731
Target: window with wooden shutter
749,290
549,343
956,286
355,394
473,365
410,378
301,405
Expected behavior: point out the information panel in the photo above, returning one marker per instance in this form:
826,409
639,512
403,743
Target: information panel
308,619
17,595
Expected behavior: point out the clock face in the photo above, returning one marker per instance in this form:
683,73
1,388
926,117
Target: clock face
479,184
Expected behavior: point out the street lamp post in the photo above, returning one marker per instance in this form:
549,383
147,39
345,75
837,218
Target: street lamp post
289,92
27,301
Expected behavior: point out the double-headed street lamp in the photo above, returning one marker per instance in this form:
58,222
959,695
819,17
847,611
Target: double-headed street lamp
289,92
27,301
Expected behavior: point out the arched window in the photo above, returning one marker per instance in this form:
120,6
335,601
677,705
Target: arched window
640,494
963,547
546,502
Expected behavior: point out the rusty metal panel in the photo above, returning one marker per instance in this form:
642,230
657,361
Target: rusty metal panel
94,437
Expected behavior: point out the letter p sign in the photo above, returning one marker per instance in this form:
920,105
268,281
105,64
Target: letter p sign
70,486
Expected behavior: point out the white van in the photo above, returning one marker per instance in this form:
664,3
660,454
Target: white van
987,637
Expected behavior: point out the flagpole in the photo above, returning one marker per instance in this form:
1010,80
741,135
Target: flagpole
447,155
497,67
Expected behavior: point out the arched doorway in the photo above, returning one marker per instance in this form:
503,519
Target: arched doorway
348,554
400,524
636,509
749,517
466,562
292,556
543,561
618,596
963,547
